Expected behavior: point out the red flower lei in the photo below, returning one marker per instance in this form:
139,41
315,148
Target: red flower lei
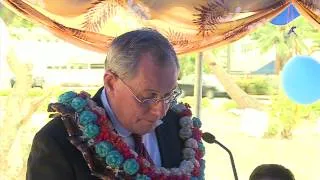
191,167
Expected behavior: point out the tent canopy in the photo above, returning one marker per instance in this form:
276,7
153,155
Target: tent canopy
190,25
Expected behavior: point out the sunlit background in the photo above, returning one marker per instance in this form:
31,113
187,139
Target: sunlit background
39,66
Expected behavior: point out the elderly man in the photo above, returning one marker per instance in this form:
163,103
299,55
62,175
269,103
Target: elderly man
140,85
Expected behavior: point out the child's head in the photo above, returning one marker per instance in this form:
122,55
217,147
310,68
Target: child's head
271,172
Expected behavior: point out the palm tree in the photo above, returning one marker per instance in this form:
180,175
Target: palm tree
314,34
287,40
242,99
215,63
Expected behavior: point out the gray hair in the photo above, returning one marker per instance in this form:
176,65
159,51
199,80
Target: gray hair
125,51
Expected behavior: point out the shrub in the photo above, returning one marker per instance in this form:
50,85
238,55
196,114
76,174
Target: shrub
230,105
286,115
5,92
273,128
256,85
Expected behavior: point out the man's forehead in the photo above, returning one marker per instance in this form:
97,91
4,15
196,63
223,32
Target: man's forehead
155,60
157,91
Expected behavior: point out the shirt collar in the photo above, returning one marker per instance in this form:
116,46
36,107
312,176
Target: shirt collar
116,124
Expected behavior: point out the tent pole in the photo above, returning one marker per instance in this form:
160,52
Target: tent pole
198,84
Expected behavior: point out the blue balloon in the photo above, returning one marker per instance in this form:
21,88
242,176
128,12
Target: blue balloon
287,15
300,79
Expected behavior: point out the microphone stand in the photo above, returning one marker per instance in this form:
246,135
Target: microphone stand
231,158
210,138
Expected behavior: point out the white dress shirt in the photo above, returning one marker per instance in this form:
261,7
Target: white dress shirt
149,140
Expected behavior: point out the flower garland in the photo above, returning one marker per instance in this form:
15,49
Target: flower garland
107,146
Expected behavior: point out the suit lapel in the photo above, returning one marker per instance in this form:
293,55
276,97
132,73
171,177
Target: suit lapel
97,97
170,144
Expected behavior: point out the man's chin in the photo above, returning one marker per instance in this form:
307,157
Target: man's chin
146,129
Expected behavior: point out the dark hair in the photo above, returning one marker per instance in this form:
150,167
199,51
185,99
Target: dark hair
276,171
125,51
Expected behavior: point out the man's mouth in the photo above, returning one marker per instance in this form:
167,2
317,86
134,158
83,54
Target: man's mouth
150,121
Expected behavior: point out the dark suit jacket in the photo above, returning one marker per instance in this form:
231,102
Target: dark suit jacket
53,157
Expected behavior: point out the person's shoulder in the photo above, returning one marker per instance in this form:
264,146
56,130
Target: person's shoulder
51,138
53,129
171,116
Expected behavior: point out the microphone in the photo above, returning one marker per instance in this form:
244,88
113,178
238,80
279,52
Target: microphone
210,138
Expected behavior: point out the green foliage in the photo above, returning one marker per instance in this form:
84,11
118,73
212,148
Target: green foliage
305,29
4,92
286,115
256,85
230,105
187,65
33,34
13,20
311,112
206,68
187,62
273,128
285,43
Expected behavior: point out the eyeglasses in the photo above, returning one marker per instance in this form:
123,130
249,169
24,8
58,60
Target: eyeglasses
170,99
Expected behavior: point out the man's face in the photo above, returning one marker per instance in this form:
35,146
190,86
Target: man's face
151,81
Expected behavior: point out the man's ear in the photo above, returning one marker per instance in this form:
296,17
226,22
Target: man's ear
109,79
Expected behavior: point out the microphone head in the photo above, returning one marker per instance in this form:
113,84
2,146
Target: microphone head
208,137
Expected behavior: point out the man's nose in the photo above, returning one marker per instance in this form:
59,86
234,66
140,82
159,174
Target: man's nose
159,109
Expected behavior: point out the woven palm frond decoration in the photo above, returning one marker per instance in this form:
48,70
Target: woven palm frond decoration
208,16
177,38
74,32
101,11
235,32
78,34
